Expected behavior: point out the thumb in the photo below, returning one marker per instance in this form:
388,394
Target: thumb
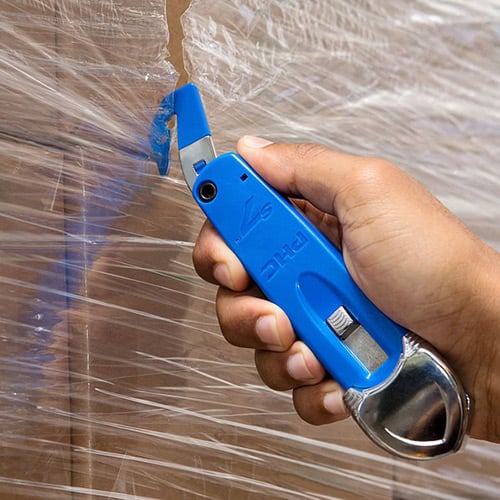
313,172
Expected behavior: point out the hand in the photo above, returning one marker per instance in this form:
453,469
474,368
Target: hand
417,262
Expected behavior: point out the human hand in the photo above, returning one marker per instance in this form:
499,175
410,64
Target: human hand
417,262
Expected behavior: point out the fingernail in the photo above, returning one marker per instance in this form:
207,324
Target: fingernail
266,328
333,402
297,367
222,275
255,142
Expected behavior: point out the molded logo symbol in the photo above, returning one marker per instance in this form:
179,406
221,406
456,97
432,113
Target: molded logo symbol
284,255
254,214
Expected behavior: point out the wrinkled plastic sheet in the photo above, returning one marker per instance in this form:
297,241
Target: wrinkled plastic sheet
114,379
413,82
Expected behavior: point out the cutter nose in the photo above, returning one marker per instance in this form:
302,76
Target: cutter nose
193,132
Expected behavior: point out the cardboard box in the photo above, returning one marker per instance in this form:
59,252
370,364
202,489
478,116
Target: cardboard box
115,379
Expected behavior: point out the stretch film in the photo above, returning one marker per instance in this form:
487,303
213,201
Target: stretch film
115,381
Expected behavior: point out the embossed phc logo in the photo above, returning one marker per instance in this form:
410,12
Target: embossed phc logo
254,214
284,255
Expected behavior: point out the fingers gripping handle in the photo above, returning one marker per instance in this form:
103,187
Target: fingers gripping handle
398,389
297,268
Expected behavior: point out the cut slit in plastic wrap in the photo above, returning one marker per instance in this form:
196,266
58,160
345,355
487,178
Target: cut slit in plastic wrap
114,378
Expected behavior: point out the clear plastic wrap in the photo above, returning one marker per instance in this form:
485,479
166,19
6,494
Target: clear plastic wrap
114,379
413,82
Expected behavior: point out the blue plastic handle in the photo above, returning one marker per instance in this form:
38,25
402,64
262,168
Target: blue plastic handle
295,266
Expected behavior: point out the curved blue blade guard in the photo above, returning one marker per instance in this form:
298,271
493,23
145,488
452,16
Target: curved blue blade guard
192,123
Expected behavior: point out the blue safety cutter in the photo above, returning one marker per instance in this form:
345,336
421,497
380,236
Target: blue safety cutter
397,387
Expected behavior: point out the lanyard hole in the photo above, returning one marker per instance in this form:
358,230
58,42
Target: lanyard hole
207,191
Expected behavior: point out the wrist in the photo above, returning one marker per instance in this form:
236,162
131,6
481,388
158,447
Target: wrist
479,363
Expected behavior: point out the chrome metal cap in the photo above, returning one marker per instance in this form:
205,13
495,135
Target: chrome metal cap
420,412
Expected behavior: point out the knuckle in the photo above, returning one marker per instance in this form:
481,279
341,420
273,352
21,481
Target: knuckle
197,256
204,253
271,371
222,306
373,171
222,311
309,151
231,333
368,182
304,407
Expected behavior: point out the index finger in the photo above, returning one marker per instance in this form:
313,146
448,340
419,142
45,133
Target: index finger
215,262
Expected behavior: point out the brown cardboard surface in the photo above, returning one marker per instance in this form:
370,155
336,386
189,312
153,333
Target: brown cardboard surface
48,166
125,306
175,10
139,299
35,440
110,403
128,309
26,111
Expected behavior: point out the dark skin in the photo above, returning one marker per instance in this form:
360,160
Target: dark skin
415,260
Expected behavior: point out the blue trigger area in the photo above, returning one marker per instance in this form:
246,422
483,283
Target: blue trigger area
160,135
199,166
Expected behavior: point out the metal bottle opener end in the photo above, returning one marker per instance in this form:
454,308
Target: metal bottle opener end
420,412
